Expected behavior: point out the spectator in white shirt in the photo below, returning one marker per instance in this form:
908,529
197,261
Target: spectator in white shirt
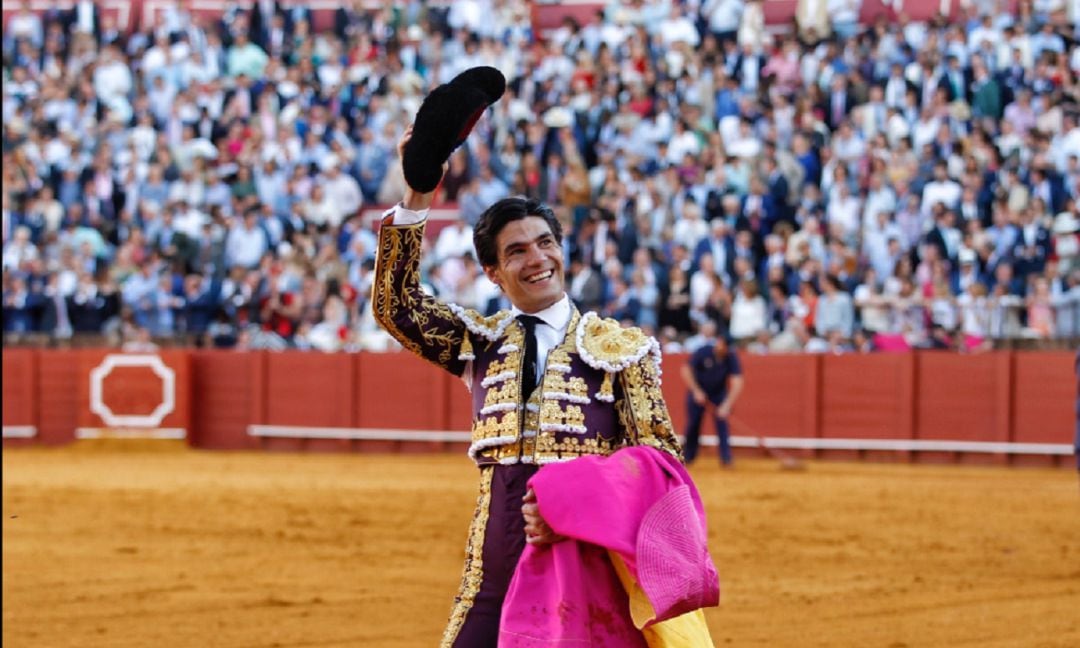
749,315
942,189
112,79
690,228
724,17
455,240
24,25
247,242
843,214
342,192
677,28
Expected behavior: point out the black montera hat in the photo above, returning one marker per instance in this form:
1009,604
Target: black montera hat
444,120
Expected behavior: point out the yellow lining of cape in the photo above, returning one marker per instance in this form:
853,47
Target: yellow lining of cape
686,631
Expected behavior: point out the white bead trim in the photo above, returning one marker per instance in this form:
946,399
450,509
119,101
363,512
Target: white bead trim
572,398
466,357
508,348
489,442
498,407
547,460
563,427
497,378
486,332
607,398
559,368
532,407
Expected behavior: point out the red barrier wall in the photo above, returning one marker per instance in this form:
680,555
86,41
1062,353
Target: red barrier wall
19,392
963,397
867,396
997,397
1044,397
780,397
58,396
137,391
308,389
229,389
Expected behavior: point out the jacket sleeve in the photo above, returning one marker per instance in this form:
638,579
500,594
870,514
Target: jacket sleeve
642,407
422,324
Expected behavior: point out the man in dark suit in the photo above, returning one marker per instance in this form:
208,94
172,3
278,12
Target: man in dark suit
262,14
1047,184
779,190
279,43
759,210
350,18
85,16
1032,246
954,80
295,13
839,102
720,245
944,236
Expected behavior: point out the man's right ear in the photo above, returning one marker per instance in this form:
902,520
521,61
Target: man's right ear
492,275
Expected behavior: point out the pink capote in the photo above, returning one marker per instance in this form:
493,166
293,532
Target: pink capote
640,504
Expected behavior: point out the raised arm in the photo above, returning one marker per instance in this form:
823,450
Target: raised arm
422,324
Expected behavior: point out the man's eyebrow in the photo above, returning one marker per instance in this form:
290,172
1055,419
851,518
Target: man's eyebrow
516,244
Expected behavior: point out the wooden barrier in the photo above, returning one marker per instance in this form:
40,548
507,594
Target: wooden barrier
865,397
20,404
1003,406
963,398
118,391
58,396
1044,397
229,392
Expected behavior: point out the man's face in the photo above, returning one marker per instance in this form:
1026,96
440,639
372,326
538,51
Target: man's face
530,268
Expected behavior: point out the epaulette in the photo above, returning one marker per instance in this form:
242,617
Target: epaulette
604,344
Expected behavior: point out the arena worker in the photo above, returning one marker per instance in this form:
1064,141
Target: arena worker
584,503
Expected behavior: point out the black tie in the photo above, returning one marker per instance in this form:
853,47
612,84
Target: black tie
528,368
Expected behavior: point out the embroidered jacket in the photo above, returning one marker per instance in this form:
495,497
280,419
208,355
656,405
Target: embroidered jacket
601,386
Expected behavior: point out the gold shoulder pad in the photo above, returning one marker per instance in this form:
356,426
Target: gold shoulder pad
605,344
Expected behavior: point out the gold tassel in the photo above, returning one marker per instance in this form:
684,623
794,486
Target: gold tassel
606,393
466,352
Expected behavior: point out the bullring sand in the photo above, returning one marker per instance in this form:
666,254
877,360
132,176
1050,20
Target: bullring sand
137,545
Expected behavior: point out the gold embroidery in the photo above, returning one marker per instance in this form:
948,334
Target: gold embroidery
605,344
493,426
473,574
606,392
642,409
500,366
557,383
399,254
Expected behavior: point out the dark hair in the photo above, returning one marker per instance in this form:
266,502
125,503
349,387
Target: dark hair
495,218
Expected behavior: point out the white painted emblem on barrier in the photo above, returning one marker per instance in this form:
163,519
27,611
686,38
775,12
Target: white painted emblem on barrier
152,362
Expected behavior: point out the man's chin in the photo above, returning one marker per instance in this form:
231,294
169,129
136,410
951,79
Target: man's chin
542,299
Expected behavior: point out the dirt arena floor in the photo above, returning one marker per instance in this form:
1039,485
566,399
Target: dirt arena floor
124,545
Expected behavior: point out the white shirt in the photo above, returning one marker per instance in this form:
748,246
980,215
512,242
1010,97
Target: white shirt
343,192
454,242
947,192
550,332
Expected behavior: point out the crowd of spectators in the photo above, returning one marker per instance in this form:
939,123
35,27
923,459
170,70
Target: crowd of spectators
834,186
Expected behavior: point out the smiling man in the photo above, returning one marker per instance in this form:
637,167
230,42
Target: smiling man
548,383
